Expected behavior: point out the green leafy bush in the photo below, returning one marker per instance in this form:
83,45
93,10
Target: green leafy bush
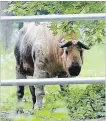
86,103
78,103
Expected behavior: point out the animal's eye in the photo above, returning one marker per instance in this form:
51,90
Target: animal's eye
79,48
81,52
66,52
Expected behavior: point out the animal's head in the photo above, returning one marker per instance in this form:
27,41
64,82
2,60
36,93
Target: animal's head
72,56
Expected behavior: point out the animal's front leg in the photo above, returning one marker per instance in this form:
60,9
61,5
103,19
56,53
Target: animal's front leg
39,92
39,89
39,72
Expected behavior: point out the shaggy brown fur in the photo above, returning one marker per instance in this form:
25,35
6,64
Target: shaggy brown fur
38,54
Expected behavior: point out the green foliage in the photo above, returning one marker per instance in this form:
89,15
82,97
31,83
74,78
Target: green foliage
87,103
90,31
82,103
52,7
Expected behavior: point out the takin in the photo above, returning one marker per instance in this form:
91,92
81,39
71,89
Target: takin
41,54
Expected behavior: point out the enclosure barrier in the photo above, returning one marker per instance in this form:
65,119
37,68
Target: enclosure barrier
53,81
70,17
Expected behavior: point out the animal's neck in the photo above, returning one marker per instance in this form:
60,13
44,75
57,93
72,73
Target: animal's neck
57,52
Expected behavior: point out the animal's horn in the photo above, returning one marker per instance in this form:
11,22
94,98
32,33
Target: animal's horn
83,45
63,44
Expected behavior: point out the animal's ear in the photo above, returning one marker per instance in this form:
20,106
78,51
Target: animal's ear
80,44
63,43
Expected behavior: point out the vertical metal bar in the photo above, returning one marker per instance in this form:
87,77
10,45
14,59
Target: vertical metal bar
105,59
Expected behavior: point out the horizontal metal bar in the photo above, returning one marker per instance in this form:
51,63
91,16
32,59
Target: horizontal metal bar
70,17
53,81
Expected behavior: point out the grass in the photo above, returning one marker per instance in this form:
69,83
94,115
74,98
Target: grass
94,66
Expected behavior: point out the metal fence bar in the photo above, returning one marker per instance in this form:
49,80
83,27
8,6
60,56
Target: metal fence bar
53,81
53,17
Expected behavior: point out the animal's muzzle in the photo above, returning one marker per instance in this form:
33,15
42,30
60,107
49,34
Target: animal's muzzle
74,69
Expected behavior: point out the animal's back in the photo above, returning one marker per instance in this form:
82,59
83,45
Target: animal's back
38,35
33,37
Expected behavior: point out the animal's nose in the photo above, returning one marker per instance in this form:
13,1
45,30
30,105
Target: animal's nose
75,63
74,70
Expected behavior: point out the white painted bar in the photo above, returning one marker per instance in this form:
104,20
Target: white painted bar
54,17
53,81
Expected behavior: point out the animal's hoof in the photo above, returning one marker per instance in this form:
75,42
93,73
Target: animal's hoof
20,111
39,103
37,107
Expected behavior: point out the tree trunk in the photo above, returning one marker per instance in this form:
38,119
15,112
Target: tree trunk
5,28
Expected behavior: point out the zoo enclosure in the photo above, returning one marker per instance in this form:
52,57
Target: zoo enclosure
51,81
